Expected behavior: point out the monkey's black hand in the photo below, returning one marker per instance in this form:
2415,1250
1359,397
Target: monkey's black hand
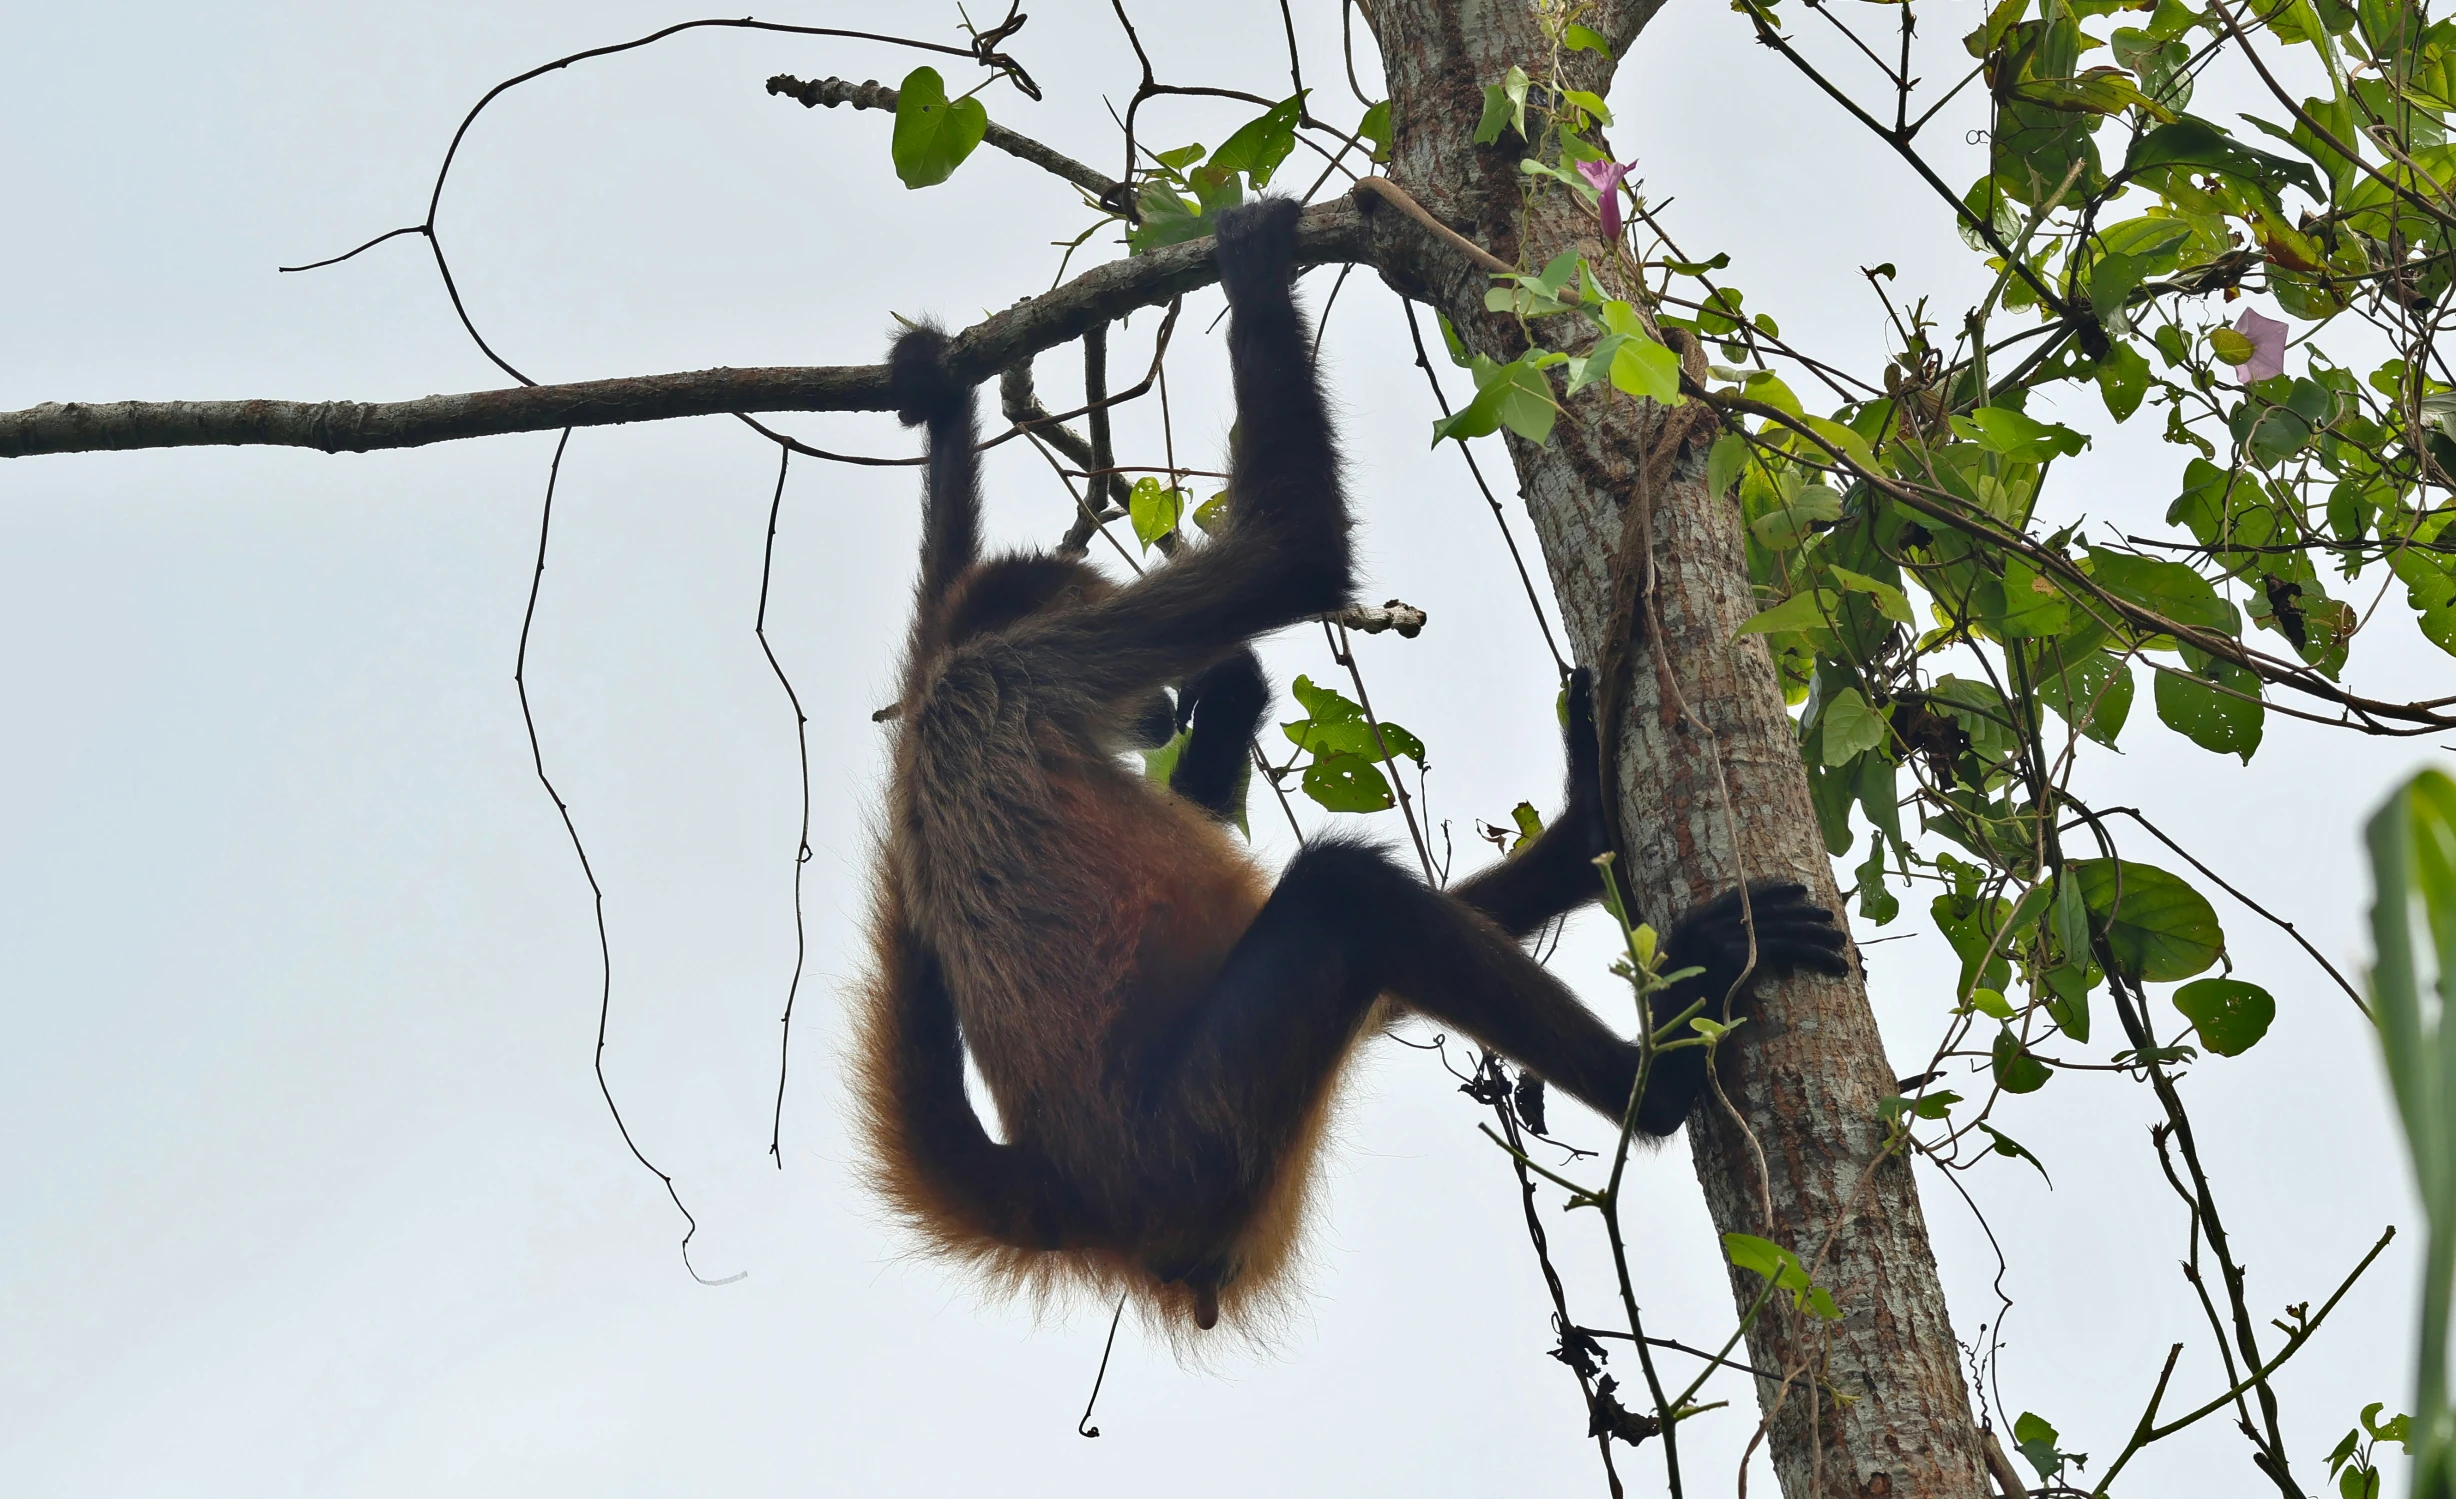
1222,703
1230,694
1791,934
1583,812
917,376
1256,246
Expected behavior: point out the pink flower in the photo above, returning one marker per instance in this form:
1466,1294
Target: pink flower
2267,337
1604,177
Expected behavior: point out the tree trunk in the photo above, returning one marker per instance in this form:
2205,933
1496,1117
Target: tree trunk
1712,792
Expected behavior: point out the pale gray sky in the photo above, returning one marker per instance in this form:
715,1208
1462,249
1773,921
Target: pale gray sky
312,1190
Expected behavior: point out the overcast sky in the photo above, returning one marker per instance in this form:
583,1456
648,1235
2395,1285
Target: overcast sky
312,1190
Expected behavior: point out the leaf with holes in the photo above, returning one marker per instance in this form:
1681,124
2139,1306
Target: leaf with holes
1154,508
2230,1015
1348,783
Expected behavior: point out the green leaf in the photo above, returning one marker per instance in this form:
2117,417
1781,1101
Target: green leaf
2192,142
1376,128
1645,369
2016,1071
1783,1268
2170,589
1877,902
1970,924
1879,800
1992,1005
1262,143
1161,763
2068,921
1504,104
2017,435
2033,605
1179,159
1794,519
2210,716
2123,378
1336,725
2230,1015
1516,395
932,135
1212,513
1806,611
1168,219
1591,103
1347,783
1724,462
1528,822
2007,1145
1890,601
1851,727
1576,38
1154,508
2035,1440
2158,929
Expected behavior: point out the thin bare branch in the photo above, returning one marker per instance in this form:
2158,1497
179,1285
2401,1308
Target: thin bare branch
831,92
1328,232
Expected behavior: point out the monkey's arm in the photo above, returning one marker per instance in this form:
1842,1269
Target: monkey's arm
951,509
1285,554
940,1166
1556,873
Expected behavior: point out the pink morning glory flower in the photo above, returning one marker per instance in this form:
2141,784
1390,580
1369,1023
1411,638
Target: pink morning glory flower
2267,337
1604,177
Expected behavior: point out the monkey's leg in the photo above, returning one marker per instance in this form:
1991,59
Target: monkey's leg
1224,704
1344,926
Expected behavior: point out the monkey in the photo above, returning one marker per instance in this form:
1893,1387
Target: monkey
1161,1028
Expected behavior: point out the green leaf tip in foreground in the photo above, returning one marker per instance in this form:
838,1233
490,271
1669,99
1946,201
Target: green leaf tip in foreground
2412,842
933,134
2230,1015
2158,928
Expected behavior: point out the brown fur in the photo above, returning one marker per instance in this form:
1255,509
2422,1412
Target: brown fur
1064,897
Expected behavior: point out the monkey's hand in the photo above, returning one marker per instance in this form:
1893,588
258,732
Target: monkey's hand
1255,247
1583,813
917,376
1231,694
1791,935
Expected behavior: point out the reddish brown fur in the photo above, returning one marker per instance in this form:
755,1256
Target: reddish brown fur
1065,896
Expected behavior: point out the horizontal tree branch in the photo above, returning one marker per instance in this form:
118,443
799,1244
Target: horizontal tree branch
1328,232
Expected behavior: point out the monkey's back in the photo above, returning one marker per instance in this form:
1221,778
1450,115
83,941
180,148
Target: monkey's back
1070,901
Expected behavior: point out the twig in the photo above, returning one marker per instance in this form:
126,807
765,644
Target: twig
831,92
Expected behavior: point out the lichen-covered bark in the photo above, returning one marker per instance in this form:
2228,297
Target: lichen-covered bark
1710,796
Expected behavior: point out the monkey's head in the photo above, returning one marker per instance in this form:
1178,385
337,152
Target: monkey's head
998,594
